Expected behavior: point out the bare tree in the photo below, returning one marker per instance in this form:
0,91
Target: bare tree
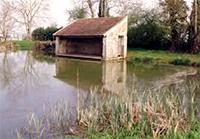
6,18
83,9
194,28
195,16
90,5
31,12
126,7
103,8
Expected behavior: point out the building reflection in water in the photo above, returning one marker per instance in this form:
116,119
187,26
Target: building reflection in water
110,76
117,77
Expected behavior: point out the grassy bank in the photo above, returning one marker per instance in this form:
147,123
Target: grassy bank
165,57
24,44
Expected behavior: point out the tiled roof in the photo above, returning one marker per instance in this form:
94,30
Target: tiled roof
89,27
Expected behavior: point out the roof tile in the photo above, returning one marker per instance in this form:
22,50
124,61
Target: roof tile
89,27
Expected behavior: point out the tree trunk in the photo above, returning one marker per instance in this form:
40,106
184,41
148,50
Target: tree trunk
196,44
195,34
5,35
103,8
5,39
91,8
195,17
175,40
28,31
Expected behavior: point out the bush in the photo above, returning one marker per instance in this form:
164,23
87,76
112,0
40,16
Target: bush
198,64
38,34
42,34
179,61
148,35
146,60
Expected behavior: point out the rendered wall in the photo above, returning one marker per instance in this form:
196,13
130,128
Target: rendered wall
111,41
109,47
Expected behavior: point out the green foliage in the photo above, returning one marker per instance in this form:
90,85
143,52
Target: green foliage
180,61
185,62
146,60
193,133
44,34
148,35
165,57
38,34
175,12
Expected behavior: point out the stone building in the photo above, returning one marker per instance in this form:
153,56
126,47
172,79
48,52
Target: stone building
96,38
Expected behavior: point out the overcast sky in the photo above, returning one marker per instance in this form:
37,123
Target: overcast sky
58,10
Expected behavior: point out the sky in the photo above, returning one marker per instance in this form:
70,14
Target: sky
58,8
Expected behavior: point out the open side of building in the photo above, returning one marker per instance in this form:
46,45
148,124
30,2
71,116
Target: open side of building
95,38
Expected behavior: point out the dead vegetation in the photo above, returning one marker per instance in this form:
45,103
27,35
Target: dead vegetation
139,114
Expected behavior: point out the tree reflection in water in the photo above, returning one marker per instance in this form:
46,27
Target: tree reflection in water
19,74
6,74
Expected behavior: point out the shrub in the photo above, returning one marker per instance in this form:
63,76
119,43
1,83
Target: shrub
137,60
148,35
179,61
146,60
44,34
198,64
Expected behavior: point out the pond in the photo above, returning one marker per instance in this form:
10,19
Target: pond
29,83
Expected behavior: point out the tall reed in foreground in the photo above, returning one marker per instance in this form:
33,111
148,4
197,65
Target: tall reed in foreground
165,113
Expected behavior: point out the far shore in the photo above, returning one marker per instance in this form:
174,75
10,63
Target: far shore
136,56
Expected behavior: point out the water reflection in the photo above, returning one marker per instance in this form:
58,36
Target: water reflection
27,81
120,77
114,76
5,71
111,76
25,86
20,74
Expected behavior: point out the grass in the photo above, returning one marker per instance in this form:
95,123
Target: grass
24,44
132,114
165,57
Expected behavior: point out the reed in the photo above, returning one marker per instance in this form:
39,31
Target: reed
148,114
